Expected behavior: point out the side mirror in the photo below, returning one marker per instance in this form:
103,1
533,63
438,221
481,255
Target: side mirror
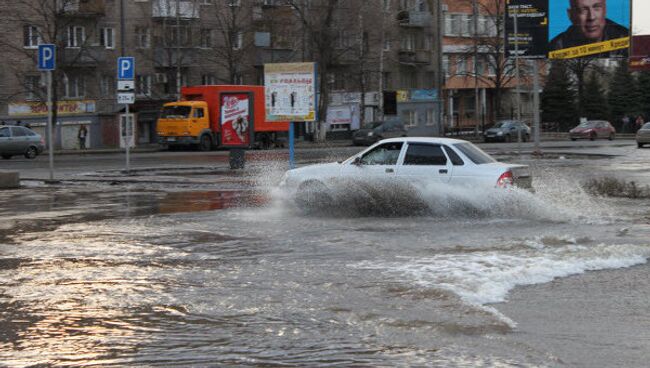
357,161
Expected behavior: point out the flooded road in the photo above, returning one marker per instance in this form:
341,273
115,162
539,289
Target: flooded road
130,276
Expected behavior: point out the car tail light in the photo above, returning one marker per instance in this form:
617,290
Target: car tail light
505,180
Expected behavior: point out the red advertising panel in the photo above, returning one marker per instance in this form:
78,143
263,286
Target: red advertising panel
640,59
236,120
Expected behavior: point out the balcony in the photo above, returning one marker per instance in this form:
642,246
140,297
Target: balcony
268,55
81,8
87,56
169,57
410,56
411,18
187,9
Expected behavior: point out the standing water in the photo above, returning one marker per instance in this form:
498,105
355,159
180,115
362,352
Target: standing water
468,279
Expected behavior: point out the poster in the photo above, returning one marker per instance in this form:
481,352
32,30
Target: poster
236,126
579,28
290,91
532,28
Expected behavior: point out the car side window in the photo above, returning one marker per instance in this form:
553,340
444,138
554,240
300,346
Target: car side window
385,154
425,154
198,113
453,156
18,132
4,132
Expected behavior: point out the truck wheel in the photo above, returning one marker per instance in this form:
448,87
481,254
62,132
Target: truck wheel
205,143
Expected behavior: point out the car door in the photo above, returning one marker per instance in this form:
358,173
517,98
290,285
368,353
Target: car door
379,162
5,140
20,139
425,163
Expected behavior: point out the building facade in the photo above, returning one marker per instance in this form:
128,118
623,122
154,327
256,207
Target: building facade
362,48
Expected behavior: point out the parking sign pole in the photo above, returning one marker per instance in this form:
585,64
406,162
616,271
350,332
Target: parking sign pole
50,146
127,120
292,163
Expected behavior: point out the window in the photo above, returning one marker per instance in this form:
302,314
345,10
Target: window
386,5
76,36
31,36
234,2
453,156
385,154
206,38
74,86
19,131
33,87
410,118
142,37
238,79
475,154
431,117
106,85
198,113
143,84
180,35
386,44
107,38
237,40
205,2
425,154
4,132
461,66
445,65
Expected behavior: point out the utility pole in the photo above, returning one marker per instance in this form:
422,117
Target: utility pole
380,92
178,50
441,72
476,71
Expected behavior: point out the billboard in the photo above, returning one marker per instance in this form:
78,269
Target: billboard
565,29
640,58
532,28
236,120
290,91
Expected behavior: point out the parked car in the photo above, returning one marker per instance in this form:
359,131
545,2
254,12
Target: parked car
593,129
18,140
643,135
372,132
507,131
411,160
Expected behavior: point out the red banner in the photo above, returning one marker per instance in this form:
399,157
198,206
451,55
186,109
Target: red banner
235,120
640,59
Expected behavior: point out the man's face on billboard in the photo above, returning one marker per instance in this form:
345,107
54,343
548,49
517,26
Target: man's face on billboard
589,17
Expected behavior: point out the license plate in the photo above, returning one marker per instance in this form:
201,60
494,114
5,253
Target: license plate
171,139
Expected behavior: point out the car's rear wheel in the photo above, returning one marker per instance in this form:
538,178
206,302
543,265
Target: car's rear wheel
592,136
574,139
31,153
640,145
611,137
6,157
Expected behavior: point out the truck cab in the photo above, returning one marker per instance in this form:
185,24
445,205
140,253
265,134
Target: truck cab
185,123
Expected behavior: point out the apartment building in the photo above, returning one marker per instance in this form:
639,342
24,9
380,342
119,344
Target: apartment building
480,82
362,49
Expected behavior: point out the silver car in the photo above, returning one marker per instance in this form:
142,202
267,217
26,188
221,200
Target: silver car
643,135
18,140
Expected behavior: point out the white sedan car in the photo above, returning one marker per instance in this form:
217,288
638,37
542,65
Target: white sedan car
412,160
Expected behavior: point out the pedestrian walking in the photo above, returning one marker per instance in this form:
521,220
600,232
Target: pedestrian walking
638,123
82,134
625,122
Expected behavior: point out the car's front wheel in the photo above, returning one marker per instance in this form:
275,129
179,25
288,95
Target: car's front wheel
6,157
640,145
592,137
31,153
312,195
611,137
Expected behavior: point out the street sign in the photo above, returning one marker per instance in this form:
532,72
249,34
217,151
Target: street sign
47,57
126,98
126,68
125,85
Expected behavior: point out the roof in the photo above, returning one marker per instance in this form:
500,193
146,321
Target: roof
438,140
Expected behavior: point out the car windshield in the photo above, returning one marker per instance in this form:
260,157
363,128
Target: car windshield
587,124
175,112
503,124
372,125
474,153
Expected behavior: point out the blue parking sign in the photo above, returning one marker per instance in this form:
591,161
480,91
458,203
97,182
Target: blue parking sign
46,57
125,68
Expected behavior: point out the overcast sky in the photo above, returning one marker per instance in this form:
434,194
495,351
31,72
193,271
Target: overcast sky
641,21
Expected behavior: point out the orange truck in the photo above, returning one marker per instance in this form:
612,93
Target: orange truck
218,116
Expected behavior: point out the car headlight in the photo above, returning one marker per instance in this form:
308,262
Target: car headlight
500,133
371,134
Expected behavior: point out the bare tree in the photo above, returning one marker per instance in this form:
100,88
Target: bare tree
46,22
